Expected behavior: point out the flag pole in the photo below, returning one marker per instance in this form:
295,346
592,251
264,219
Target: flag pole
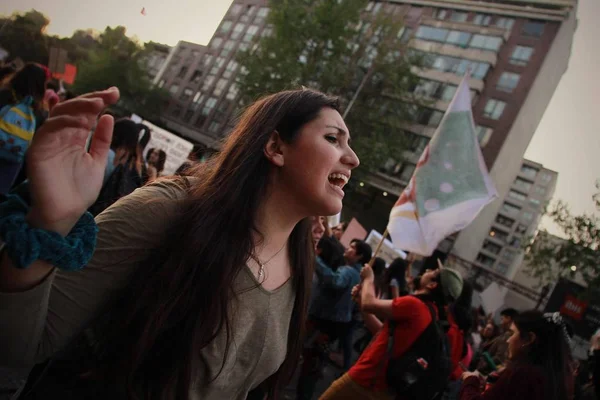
372,261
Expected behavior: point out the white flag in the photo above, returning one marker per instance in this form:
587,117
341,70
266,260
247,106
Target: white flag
449,187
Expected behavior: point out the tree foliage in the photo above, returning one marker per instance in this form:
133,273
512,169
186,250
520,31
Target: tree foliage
23,36
334,46
117,62
548,258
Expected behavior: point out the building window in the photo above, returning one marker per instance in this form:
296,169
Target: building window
207,59
200,120
198,98
232,92
216,43
517,195
174,89
507,222
494,109
483,134
540,190
189,113
521,55
267,31
458,38
263,12
529,172
227,48
217,65
219,87
226,26
509,255
209,105
523,184
546,178
214,127
429,117
440,13
535,202
486,42
230,69
501,268
527,216
208,82
508,81
485,260
506,23
430,33
186,94
252,29
406,171
521,229
235,9
533,28
498,234
237,30
376,8
197,76
492,247
176,111
510,209
416,143
458,16
246,16
482,19
182,72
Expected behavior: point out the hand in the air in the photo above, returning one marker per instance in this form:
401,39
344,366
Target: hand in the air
366,274
65,179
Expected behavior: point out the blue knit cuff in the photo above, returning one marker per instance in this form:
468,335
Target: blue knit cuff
24,244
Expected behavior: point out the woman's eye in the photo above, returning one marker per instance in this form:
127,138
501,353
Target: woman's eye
331,138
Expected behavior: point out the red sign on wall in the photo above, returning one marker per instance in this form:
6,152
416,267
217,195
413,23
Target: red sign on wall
573,307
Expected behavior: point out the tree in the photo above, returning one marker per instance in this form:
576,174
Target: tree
335,47
117,62
548,258
22,35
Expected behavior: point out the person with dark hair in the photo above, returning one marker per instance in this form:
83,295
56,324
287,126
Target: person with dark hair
379,271
497,349
197,287
156,159
339,230
411,314
21,106
461,353
395,279
330,313
540,363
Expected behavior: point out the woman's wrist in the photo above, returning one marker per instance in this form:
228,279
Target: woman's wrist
62,227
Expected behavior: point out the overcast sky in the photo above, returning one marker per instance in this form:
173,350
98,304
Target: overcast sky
567,140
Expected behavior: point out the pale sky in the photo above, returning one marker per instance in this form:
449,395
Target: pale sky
567,139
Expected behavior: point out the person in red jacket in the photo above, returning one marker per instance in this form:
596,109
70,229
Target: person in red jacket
539,366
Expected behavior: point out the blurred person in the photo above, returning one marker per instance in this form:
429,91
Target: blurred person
540,363
498,347
339,230
395,279
408,317
191,279
50,96
155,159
21,113
330,314
124,174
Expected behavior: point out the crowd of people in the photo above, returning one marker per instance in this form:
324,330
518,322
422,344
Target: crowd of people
220,283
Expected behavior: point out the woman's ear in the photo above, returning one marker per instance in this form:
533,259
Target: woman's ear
273,149
531,337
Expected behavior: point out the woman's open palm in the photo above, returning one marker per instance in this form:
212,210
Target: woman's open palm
65,178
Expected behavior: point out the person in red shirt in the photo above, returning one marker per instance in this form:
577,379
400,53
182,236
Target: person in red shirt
366,379
539,365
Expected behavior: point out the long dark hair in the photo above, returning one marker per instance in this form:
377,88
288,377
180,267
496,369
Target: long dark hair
29,81
162,159
396,270
550,351
125,143
331,252
180,300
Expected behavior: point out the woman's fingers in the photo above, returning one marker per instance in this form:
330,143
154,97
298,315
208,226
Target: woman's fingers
109,96
55,124
102,137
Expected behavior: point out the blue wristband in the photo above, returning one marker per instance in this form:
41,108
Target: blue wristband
24,244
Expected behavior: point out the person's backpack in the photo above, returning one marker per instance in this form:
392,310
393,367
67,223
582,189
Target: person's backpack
17,126
124,180
423,371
